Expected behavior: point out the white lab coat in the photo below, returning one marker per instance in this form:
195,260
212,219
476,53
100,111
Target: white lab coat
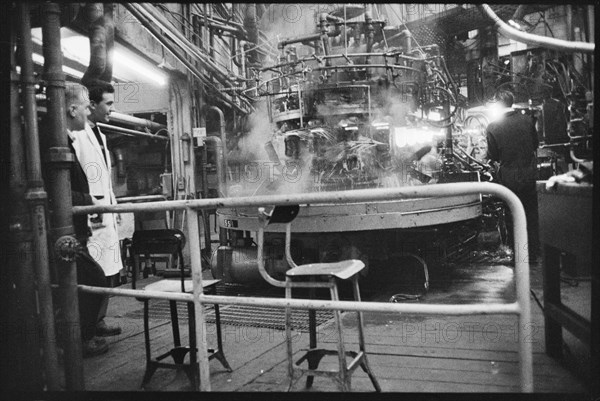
103,245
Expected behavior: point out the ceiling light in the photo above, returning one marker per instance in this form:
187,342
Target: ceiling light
39,59
139,66
127,66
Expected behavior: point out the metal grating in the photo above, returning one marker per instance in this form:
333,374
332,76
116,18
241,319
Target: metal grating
238,315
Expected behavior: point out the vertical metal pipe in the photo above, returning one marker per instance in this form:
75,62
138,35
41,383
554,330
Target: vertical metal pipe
448,158
194,236
211,36
591,38
37,198
219,151
250,24
522,284
59,161
25,362
223,143
205,42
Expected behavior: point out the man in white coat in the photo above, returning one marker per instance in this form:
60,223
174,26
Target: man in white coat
94,157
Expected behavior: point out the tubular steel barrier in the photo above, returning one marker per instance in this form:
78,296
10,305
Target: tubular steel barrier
521,307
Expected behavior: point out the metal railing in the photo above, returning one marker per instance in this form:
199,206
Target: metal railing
520,307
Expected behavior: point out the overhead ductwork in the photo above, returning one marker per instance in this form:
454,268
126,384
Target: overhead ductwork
536,40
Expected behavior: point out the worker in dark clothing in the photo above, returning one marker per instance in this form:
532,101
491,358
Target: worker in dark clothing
88,271
512,146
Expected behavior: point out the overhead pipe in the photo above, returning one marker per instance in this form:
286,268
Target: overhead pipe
206,28
399,55
176,36
251,26
233,41
140,16
37,199
213,21
369,31
536,40
126,119
131,132
302,39
101,36
211,36
60,158
325,37
184,43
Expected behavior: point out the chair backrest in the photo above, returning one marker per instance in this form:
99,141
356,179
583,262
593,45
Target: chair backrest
279,215
284,214
166,241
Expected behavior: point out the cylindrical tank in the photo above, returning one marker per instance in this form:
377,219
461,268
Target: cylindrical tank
239,265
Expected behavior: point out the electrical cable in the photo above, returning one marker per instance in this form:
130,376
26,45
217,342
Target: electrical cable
413,297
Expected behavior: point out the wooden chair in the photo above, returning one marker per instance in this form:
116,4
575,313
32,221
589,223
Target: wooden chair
312,276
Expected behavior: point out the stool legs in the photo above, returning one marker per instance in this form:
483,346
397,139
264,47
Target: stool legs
175,324
313,360
313,356
288,335
150,367
343,379
192,371
361,338
219,353
178,352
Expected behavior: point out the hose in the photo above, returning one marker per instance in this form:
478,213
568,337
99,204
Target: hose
536,40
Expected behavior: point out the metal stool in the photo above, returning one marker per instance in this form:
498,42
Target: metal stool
312,276
171,242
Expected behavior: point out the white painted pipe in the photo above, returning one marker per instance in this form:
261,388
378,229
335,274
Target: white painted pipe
536,40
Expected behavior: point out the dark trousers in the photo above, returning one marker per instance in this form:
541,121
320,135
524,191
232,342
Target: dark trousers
90,273
528,198
110,282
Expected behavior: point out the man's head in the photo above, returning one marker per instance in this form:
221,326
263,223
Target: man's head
504,98
77,105
102,100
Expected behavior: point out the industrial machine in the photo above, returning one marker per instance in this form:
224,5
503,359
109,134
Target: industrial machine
345,114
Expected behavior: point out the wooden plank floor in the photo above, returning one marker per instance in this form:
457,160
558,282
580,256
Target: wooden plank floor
407,353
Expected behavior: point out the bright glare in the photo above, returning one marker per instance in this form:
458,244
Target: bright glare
77,48
39,59
404,136
434,116
123,60
496,111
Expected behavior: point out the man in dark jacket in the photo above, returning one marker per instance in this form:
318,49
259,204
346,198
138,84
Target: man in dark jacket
88,271
512,146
